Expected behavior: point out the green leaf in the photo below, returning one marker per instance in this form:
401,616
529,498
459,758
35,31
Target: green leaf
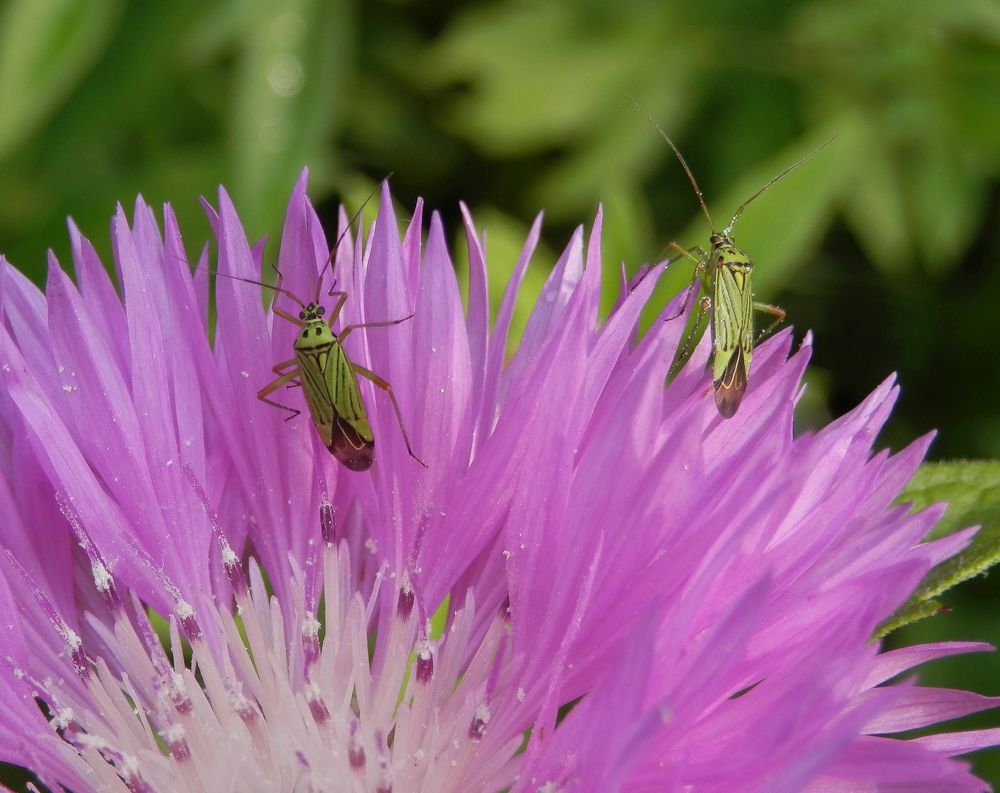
875,207
46,46
293,74
972,490
923,90
561,92
948,199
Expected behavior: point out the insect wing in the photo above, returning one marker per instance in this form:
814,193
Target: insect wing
353,451
731,387
732,336
335,404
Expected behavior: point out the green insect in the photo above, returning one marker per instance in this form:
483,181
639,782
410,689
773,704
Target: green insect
328,377
724,275
329,380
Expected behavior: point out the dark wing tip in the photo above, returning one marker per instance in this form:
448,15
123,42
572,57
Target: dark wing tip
730,388
354,452
727,400
353,459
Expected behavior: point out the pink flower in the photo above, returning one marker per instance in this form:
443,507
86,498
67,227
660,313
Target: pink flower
631,592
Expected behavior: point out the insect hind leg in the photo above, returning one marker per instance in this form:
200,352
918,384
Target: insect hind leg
384,385
775,311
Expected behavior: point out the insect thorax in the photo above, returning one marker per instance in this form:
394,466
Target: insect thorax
315,333
726,254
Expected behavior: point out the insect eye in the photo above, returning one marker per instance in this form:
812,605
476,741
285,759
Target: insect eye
302,315
320,310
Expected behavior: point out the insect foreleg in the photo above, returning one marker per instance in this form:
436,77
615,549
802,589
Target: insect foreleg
387,324
699,267
275,385
689,253
378,381
774,311
341,299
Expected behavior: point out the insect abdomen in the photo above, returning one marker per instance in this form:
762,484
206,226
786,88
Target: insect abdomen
335,405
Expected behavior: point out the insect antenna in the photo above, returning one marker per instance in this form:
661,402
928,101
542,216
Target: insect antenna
273,287
774,181
684,165
333,251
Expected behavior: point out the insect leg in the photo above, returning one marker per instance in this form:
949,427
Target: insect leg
684,352
774,311
689,253
275,385
388,323
378,381
341,299
279,368
699,268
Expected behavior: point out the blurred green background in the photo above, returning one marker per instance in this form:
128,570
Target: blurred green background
886,245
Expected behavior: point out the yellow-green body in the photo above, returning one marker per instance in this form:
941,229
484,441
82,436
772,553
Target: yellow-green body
332,393
727,278
329,380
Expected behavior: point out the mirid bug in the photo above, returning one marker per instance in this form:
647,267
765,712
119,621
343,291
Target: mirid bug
329,378
725,277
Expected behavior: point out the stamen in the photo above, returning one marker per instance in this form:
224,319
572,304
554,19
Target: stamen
404,604
310,640
479,721
356,752
74,646
384,783
241,718
327,522
234,570
103,580
188,621
230,561
173,737
425,660
317,707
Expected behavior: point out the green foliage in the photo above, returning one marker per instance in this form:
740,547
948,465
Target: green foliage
972,491
909,100
103,100
45,46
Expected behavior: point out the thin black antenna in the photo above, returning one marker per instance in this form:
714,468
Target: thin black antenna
684,165
333,251
769,185
278,289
